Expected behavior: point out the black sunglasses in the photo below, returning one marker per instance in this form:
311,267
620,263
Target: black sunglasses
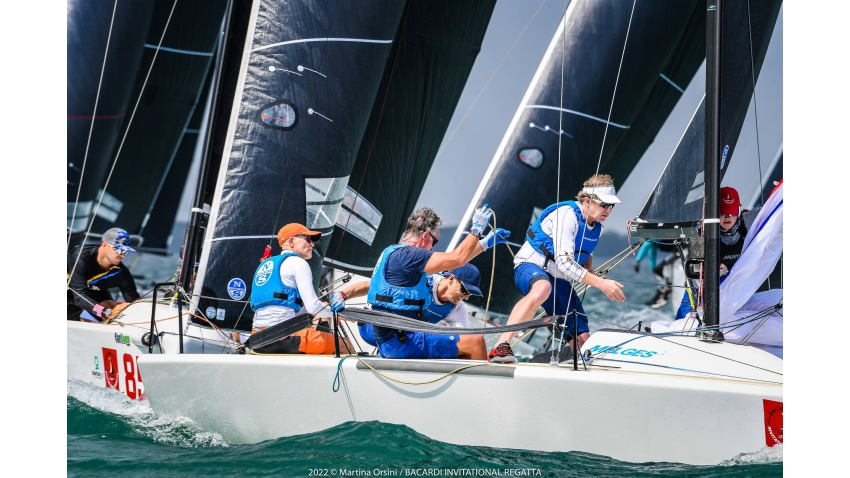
463,289
306,238
604,205
433,239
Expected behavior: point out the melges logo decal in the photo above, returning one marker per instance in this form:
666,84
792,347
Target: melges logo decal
607,349
122,339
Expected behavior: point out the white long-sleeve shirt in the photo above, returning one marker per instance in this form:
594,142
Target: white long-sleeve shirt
294,272
564,245
458,316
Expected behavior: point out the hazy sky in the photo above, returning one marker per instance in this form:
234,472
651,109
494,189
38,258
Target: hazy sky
509,57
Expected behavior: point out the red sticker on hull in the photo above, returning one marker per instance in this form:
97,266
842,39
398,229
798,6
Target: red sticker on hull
772,422
110,368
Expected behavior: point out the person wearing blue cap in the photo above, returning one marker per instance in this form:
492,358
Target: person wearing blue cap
94,269
403,284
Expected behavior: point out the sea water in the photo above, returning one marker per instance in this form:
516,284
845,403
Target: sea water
110,435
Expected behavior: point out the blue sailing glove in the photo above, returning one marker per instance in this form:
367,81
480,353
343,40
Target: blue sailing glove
499,236
337,301
480,219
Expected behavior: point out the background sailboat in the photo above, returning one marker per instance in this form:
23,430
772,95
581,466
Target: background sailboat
143,162
665,47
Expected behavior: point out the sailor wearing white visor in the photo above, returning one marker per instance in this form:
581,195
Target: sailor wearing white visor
558,251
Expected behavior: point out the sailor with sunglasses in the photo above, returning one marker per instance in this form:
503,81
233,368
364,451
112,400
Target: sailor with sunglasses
557,253
448,291
96,268
283,288
400,285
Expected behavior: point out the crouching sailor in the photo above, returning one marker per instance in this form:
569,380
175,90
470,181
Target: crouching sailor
283,288
399,285
448,291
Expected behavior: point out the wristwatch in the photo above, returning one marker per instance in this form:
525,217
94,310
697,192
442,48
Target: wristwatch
107,313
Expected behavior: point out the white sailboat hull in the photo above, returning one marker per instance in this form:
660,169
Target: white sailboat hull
623,406
106,355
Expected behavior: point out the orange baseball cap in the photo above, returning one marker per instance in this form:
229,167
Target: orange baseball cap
294,229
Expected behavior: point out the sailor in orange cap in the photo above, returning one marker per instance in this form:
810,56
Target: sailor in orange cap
283,288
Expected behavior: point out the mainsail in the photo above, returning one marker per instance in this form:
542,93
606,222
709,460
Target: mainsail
677,199
302,96
432,57
100,82
565,113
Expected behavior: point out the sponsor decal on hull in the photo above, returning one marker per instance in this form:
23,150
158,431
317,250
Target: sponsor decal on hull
772,422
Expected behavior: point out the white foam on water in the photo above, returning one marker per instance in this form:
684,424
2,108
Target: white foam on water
765,455
177,431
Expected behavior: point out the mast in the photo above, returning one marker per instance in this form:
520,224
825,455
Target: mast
193,233
711,224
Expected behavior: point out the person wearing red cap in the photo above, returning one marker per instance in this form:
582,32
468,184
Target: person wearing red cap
283,288
734,225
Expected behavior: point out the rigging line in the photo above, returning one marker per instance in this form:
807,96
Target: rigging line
487,83
126,131
605,134
294,154
91,127
377,128
755,109
558,182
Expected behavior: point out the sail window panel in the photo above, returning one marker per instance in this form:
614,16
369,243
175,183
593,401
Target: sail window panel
697,191
359,217
532,157
80,217
323,199
278,115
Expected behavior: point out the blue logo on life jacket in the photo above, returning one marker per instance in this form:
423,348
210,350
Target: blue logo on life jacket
585,241
384,294
269,289
236,288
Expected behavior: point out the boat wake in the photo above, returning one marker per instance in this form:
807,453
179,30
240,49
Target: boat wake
102,407
764,456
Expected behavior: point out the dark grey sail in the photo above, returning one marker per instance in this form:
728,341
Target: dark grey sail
666,45
305,87
432,57
160,225
178,54
98,95
676,202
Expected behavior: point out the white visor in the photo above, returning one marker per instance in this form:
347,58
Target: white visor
604,193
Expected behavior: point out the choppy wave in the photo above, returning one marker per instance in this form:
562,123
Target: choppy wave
96,409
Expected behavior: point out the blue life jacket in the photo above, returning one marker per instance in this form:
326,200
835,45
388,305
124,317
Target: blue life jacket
393,297
586,239
435,313
269,289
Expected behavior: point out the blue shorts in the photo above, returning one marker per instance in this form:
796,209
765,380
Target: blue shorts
419,345
526,274
367,333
